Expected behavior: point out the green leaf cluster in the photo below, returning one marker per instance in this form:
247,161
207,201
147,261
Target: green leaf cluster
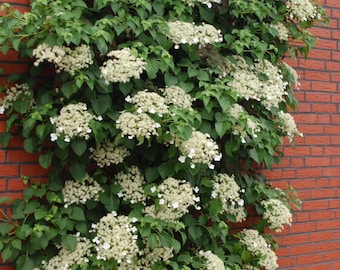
42,221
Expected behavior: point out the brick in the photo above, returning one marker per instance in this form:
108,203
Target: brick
320,97
331,256
32,170
327,245
320,76
317,161
284,262
310,259
333,171
312,64
321,215
15,185
295,239
9,170
303,227
324,86
324,108
328,225
317,140
20,156
315,205
301,249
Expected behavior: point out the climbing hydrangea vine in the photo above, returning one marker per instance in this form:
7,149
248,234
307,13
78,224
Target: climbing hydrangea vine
154,120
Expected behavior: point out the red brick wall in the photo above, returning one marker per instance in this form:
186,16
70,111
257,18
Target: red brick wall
313,167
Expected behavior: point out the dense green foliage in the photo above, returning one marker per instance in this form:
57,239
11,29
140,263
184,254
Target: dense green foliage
249,42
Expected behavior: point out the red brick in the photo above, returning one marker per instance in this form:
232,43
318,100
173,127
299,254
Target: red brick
9,170
317,161
302,249
303,227
324,86
321,215
310,259
328,225
20,156
331,256
32,170
15,185
316,205
284,262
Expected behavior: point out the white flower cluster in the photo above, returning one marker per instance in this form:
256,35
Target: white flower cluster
302,10
258,246
16,92
176,96
189,33
288,126
227,190
205,2
175,198
73,121
123,66
116,239
276,214
149,102
107,153
137,125
251,128
66,258
199,148
79,192
248,81
213,261
282,30
63,57
131,184
147,257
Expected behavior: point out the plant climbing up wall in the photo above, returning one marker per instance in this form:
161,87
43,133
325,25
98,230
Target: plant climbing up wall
153,120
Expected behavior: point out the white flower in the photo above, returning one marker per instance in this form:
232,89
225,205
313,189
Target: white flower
106,246
54,137
182,159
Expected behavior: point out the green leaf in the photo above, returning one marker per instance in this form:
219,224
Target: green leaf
195,232
5,228
4,139
151,174
69,241
176,245
45,159
101,104
41,131
6,253
78,170
24,263
79,146
165,239
31,207
68,89
16,243
166,169
77,213
24,231
28,125
40,214
215,207
4,199
152,240
30,145
21,106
